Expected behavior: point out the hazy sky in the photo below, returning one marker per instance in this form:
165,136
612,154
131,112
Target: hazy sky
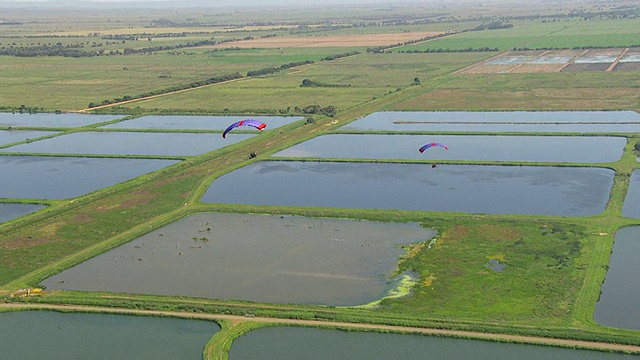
238,2
217,3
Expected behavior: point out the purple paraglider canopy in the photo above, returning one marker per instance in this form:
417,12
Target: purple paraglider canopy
254,123
426,146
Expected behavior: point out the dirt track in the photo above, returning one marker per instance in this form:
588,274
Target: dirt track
415,330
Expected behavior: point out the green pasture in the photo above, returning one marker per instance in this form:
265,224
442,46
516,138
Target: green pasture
554,91
56,83
358,79
538,34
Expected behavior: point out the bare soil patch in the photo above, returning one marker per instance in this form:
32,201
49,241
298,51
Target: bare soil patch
537,68
627,66
587,67
498,233
603,52
327,41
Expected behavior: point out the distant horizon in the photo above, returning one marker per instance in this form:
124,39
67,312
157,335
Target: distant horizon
225,3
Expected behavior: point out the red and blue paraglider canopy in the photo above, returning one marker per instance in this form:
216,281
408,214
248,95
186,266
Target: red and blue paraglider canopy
426,146
254,123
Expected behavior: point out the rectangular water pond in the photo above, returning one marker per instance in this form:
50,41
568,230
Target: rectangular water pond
51,120
129,143
62,336
618,305
507,121
592,149
265,258
41,177
631,207
9,211
288,342
175,122
541,190
11,136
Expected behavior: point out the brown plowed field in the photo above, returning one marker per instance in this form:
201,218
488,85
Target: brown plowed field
627,66
327,41
587,67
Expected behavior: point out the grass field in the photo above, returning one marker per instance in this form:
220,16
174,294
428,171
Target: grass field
557,264
533,34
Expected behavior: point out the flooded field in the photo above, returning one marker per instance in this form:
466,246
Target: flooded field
631,206
542,190
562,60
130,143
53,120
177,122
311,344
10,211
265,258
618,305
512,121
11,136
54,335
477,148
67,177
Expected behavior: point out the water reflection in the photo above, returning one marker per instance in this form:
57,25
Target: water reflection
11,136
66,177
12,211
470,147
54,120
618,305
175,122
542,190
284,259
631,207
320,344
52,335
512,121
130,143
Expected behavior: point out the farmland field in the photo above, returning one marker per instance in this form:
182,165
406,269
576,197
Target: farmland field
324,67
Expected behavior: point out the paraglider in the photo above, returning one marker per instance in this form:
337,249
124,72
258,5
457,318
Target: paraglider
254,123
429,145
426,146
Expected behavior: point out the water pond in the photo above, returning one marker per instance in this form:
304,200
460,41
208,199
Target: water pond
551,60
542,190
130,143
630,58
11,136
462,147
509,60
9,211
52,120
594,59
66,177
175,122
320,344
631,207
618,305
53,335
265,258
513,121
